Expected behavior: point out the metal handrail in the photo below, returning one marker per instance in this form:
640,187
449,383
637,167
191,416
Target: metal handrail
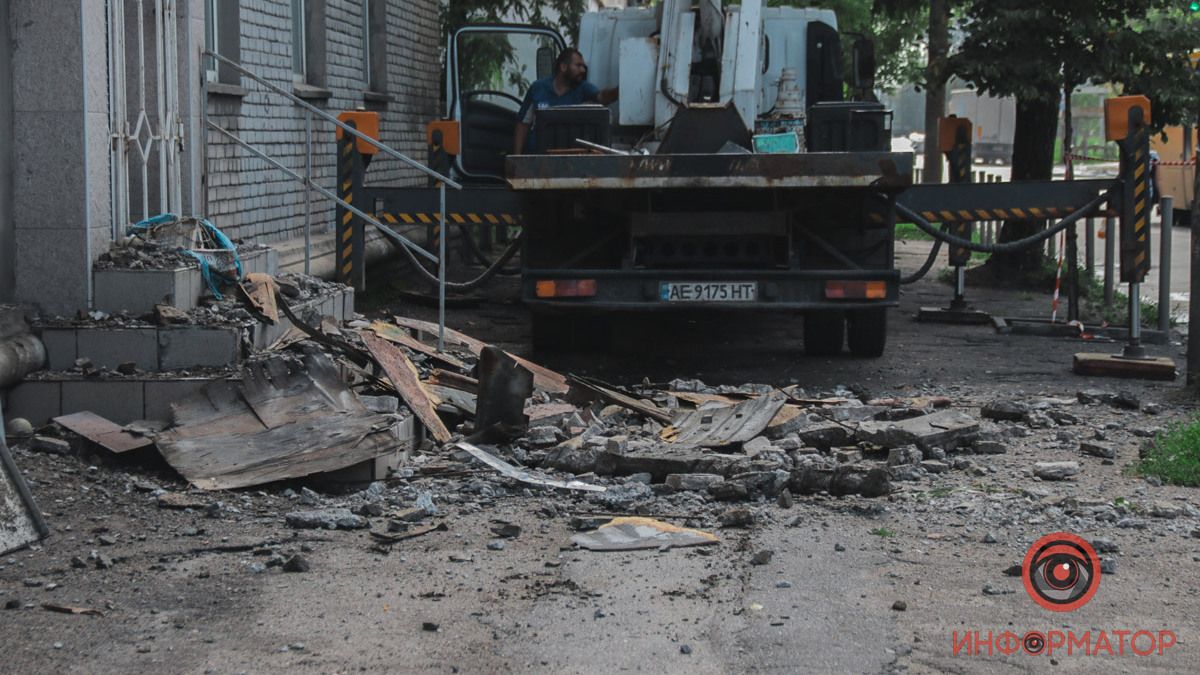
341,125
309,182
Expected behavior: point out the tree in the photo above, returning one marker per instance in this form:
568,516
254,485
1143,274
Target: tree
1034,50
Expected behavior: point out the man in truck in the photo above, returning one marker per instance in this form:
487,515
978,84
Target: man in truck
568,86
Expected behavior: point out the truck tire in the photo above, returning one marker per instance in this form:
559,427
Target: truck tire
867,332
824,333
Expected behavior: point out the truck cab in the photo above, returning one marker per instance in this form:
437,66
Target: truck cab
730,175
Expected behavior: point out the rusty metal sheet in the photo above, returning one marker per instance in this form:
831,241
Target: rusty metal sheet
404,377
222,437
102,432
714,424
611,395
260,291
887,171
398,335
543,378
634,533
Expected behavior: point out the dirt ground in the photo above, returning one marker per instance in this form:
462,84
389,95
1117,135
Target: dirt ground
179,595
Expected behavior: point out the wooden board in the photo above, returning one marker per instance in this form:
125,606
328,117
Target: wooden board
292,422
404,377
401,337
102,432
1109,365
543,378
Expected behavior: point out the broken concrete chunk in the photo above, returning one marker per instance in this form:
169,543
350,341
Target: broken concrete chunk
1095,396
738,516
756,445
573,456
1055,470
326,519
990,448
693,482
541,437
56,446
824,435
1097,449
945,429
908,454
1007,411
935,466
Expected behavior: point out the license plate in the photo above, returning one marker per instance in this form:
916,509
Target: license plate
708,291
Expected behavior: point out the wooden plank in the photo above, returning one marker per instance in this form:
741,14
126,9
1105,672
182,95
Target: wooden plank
403,375
1160,368
398,335
462,400
543,378
102,432
446,378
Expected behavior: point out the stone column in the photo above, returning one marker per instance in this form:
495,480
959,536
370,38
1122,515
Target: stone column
61,187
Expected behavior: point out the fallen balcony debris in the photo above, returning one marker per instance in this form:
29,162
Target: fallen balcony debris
286,419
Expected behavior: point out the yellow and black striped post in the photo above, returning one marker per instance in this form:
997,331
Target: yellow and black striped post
350,231
1135,207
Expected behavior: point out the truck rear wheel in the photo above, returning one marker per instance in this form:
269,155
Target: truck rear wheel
867,332
824,333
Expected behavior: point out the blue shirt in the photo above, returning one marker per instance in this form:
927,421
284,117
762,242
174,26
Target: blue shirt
541,95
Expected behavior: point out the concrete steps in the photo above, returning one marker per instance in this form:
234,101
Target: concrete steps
137,291
166,357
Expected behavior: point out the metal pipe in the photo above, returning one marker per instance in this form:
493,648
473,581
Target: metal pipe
308,193
1073,273
1110,259
1135,350
395,236
336,122
441,267
1089,247
1164,264
1193,345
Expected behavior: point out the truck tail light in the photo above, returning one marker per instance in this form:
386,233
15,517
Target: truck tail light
565,288
856,290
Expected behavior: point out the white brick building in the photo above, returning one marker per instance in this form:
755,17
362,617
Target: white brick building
91,88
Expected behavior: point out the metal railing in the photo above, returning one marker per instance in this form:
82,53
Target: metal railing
311,185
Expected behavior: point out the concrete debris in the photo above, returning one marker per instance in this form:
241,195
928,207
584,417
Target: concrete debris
326,519
1097,449
1056,470
945,429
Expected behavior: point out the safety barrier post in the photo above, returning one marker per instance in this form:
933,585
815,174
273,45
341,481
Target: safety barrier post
1135,218
1110,260
349,231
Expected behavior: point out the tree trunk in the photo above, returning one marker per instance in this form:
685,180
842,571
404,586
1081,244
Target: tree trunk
1033,159
936,74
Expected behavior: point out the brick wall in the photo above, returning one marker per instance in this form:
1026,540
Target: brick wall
249,199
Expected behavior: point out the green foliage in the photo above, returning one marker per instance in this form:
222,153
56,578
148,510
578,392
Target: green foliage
883,532
1031,48
1174,455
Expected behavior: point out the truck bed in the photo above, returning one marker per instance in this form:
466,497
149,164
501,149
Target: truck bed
891,171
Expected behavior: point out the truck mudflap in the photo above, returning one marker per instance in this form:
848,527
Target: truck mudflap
740,290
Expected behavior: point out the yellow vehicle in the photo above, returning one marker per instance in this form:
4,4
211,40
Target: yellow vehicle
1176,171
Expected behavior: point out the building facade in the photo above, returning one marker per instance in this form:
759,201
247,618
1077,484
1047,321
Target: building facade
106,107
